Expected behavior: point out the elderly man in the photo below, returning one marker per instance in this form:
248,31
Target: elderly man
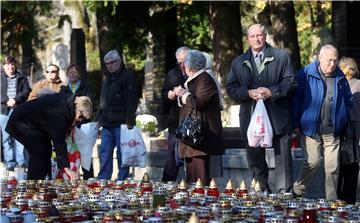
320,112
175,77
267,73
14,91
118,103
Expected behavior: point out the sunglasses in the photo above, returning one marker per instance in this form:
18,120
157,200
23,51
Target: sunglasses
52,71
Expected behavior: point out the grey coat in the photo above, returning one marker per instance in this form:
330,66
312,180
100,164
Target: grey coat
276,73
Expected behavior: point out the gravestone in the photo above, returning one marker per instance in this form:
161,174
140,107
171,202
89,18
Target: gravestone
61,58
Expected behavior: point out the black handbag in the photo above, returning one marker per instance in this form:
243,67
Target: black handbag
191,130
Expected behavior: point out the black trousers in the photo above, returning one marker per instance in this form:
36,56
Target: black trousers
39,148
88,173
347,182
171,168
256,159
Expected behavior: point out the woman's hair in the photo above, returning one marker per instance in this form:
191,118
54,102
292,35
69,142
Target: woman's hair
349,67
84,105
195,60
75,66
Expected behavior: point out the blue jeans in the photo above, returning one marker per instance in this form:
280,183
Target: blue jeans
14,154
110,137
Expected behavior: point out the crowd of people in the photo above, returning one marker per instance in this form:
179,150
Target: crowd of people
319,104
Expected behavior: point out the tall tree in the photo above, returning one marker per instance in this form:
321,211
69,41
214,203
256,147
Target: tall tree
19,30
344,28
285,36
226,41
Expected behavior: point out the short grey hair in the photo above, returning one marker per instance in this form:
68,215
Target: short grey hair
327,47
195,60
84,105
181,50
112,55
262,27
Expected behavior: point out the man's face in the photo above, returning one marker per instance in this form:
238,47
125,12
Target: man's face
328,61
9,68
256,38
52,73
73,75
113,65
180,61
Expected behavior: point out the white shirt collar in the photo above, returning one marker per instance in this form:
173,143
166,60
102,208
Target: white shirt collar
260,53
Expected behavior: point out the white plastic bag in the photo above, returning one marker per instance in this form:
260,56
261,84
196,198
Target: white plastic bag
260,133
85,138
133,149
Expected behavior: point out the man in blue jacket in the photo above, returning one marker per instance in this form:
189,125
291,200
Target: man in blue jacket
320,109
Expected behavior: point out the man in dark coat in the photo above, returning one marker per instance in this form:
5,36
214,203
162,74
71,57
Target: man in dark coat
118,104
14,91
39,123
175,77
267,73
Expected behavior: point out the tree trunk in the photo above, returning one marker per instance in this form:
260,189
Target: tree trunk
227,42
28,57
282,15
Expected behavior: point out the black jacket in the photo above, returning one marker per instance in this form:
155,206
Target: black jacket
22,90
173,79
83,90
50,116
118,99
277,74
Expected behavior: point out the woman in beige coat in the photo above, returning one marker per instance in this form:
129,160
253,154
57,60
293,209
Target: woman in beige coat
201,92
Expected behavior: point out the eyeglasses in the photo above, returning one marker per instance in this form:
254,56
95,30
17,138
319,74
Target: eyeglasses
111,62
52,71
331,61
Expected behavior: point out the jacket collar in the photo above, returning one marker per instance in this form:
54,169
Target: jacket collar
268,56
313,71
193,77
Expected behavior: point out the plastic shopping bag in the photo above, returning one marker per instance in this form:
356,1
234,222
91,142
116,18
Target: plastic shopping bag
73,156
133,149
260,132
85,138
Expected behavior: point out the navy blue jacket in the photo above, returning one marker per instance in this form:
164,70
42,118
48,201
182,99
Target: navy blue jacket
308,99
277,74
173,79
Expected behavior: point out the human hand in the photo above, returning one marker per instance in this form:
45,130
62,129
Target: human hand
254,94
265,92
297,131
179,91
11,103
70,173
171,95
